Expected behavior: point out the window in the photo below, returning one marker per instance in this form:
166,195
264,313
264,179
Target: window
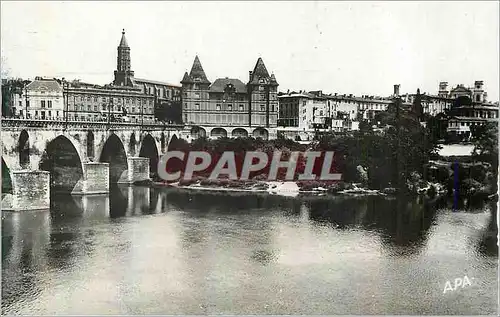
217,107
229,107
321,112
88,98
197,106
89,107
103,99
104,107
95,108
197,95
50,113
242,108
262,108
185,105
43,103
95,99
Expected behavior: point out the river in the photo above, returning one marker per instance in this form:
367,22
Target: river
168,251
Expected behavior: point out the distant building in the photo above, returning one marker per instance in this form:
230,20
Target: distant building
304,114
443,101
126,99
229,107
40,99
87,102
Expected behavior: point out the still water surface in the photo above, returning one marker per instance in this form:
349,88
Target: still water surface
164,251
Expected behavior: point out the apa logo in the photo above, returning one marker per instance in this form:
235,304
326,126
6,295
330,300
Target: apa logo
458,282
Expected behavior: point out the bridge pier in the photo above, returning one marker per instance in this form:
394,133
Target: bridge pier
95,178
137,171
30,191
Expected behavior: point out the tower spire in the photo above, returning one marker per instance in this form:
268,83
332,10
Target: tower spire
124,76
197,73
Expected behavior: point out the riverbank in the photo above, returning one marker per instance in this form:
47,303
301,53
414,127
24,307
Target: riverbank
296,188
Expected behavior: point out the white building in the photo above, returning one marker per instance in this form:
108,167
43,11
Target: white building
40,99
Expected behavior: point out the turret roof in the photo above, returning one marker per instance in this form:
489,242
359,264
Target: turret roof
123,41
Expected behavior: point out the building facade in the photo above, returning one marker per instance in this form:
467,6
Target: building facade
305,113
40,99
87,102
229,107
127,99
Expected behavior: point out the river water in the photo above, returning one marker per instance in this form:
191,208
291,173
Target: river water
166,251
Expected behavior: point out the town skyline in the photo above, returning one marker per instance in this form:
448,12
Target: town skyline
298,62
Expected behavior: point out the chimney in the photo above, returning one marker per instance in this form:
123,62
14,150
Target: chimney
396,90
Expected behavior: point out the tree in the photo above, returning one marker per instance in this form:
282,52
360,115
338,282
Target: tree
485,140
417,105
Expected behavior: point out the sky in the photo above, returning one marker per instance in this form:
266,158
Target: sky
363,48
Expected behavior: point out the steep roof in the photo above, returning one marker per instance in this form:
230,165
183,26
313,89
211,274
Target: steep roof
45,85
220,85
123,41
259,71
273,81
197,73
186,79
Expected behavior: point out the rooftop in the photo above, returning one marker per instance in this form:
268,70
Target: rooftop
154,82
44,85
220,84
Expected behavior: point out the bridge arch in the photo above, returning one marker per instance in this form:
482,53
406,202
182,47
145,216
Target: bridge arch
198,132
113,152
239,133
63,160
260,133
218,133
149,149
6,179
132,144
23,147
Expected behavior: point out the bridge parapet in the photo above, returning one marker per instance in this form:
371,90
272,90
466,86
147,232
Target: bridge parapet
93,125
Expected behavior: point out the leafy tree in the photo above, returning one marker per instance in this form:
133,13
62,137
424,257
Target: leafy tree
485,140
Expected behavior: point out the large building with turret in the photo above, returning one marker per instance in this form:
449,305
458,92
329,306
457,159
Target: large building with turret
228,106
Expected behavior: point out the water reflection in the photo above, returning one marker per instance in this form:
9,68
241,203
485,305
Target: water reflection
144,250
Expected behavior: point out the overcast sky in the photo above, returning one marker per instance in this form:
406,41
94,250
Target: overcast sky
345,47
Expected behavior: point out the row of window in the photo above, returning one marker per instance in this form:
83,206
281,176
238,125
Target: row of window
41,115
201,118
43,104
105,108
464,124
127,100
229,107
167,93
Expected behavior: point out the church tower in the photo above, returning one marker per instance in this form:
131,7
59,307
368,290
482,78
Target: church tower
124,76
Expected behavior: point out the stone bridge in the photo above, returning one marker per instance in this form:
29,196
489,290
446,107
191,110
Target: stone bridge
41,156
